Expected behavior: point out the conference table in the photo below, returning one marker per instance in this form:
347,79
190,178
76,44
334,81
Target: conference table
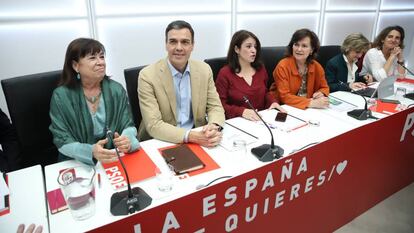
296,193
333,169
27,200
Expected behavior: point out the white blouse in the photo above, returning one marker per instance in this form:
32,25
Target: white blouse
373,64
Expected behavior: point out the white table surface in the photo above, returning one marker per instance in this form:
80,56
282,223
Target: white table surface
27,200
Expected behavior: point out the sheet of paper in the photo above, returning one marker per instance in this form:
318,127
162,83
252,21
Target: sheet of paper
340,105
230,134
292,122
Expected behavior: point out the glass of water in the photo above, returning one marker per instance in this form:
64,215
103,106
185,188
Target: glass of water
399,93
165,179
240,147
78,188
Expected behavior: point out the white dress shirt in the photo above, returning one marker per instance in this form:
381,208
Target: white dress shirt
374,62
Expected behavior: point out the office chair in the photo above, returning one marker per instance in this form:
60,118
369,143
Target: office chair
327,52
28,100
216,64
131,81
271,57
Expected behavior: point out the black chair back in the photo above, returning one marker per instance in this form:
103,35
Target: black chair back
270,57
327,52
28,100
216,64
131,81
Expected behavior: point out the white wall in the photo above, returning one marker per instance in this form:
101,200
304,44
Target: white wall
34,33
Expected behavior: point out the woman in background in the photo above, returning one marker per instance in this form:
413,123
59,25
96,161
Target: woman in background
341,70
86,103
386,54
244,75
300,80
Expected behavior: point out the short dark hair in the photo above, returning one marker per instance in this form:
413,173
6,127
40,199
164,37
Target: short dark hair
378,42
301,34
76,50
177,25
236,41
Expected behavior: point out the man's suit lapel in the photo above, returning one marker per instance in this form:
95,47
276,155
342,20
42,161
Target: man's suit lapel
195,88
166,79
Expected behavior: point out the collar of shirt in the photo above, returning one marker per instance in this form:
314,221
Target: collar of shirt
352,67
175,72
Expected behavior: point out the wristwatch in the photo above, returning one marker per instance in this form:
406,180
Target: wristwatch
220,128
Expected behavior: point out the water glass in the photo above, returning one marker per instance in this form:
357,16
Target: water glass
240,147
165,180
78,188
399,93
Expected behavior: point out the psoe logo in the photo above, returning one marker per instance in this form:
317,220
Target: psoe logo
409,123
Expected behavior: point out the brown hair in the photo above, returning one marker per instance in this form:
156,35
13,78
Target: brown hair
379,40
301,34
76,50
236,41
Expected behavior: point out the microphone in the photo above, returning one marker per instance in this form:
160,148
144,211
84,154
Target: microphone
347,88
130,200
361,114
402,65
265,152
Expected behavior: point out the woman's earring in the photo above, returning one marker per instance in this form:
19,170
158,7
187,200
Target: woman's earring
78,76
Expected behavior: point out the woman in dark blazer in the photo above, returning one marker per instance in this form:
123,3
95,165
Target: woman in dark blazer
341,70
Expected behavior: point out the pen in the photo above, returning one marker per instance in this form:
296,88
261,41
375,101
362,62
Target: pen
99,180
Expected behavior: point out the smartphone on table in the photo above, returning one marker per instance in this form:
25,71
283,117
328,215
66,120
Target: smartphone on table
281,116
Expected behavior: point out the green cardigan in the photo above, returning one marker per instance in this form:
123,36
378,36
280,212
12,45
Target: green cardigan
70,118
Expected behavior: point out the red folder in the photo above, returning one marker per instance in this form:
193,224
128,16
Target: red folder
385,108
139,167
405,80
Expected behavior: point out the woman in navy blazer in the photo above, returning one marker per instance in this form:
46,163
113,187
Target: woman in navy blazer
341,70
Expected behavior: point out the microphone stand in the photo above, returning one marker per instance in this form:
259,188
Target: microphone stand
361,114
409,71
131,200
265,152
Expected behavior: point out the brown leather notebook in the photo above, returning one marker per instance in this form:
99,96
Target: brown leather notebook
182,159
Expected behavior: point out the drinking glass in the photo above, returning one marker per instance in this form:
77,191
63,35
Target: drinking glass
164,179
240,147
77,185
399,93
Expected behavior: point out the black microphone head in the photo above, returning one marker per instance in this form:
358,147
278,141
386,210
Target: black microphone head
108,132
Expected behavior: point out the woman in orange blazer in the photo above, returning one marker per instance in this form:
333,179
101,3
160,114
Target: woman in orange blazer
300,80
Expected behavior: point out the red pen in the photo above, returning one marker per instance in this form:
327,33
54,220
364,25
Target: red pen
99,180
